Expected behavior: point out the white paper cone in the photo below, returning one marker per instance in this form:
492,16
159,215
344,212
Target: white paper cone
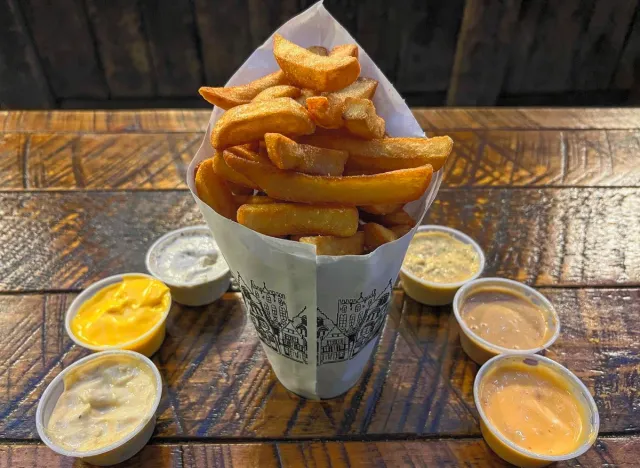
318,318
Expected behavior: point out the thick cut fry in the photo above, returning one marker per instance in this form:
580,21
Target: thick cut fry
259,200
318,50
250,122
226,98
282,219
327,110
361,119
221,168
381,209
213,190
388,154
331,245
390,187
344,50
375,235
244,152
277,92
309,70
401,229
239,189
305,93
287,154
396,219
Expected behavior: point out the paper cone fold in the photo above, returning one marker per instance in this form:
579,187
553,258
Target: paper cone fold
318,318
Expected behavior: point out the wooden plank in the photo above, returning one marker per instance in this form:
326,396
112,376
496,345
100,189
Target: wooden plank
70,63
429,32
266,17
561,237
12,149
96,121
617,451
24,85
123,48
175,55
547,158
218,382
225,37
523,119
482,52
111,161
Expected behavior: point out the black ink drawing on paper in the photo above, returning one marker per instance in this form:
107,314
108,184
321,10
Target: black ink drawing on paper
358,322
269,314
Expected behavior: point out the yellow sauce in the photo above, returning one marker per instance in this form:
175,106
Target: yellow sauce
441,258
505,318
534,408
121,312
103,402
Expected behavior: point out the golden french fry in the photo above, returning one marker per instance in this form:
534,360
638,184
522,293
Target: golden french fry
221,168
361,119
388,154
375,235
344,50
282,219
259,200
239,189
309,70
244,152
305,93
395,219
213,190
249,122
226,98
331,245
318,50
401,229
277,92
327,110
390,187
381,209
287,154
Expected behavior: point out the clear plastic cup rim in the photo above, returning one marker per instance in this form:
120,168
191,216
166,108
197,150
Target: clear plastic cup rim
91,291
584,391
151,267
59,380
458,235
512,285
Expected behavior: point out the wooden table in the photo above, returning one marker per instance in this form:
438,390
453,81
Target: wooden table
553,196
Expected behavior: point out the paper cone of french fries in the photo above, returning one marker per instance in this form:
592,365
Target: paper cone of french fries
318,317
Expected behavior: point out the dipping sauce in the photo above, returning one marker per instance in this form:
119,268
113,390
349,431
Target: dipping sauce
505,318
121,312
535,408
103,401
188,257
439,257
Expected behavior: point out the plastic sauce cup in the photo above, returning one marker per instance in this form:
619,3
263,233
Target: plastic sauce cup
432,293
511,452
479,349
195,293
147,343
118,451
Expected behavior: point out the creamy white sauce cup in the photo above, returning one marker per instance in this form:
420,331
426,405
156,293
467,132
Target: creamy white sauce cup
194,293
430,292
117,452
481,350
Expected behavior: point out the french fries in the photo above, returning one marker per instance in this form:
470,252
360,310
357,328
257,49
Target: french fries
308,70
283,219
226,98
213,190
307,140
331,245
361,119
388,154
277,92
375,235
390,187
249,122
287,154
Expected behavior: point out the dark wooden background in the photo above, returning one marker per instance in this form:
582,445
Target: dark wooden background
156,53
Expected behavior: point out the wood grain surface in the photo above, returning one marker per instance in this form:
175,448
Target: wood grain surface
218,382
473,453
